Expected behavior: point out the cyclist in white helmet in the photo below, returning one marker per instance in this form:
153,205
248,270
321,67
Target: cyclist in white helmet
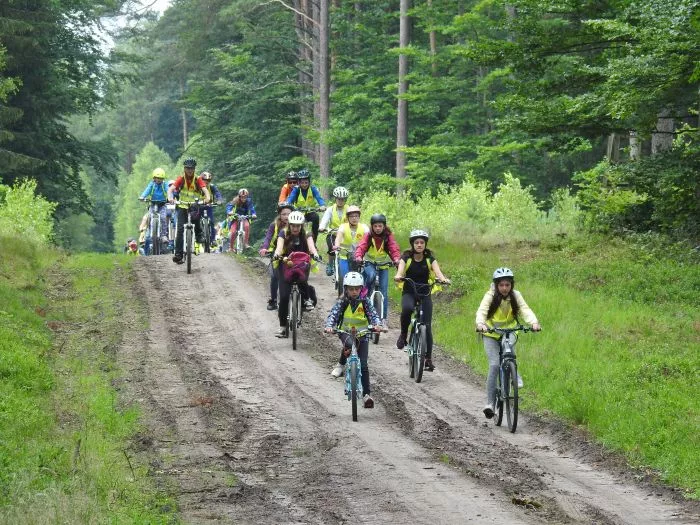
503,307
419,264
332,218
351,311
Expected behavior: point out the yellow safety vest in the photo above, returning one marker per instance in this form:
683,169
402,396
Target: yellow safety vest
431,274
189,193
502,318
335,221
354,318
306,202
349,239
376,255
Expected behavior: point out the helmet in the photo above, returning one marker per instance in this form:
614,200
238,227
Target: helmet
283,205
189,162
292,175
205,175
378,217
503,273
353,279
303,173
158,173
418,234
243,192
296,217
341,193
352,209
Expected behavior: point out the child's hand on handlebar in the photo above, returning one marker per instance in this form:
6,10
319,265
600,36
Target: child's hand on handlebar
481,327
328,330
536,327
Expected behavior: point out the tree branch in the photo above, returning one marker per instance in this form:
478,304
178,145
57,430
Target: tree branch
303,15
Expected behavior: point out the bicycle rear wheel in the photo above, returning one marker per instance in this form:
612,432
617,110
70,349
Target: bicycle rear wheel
206,231
419,351
353,388
294,312
155,235
378,303
510,394
188,249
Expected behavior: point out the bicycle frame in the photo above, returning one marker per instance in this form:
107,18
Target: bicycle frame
353,368
377,297
154,208
240,232
188,234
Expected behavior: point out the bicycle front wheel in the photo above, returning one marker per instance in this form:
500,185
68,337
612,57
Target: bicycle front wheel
419,350
499,396
353,388
155,235
378,303
294,316
510,394
188,249
207,235
411,356
239,240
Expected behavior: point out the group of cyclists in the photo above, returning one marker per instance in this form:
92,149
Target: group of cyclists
363,251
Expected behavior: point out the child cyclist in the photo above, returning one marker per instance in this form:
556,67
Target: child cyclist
419,264
351,311
378,246
348,237
332,218
502,307
268,246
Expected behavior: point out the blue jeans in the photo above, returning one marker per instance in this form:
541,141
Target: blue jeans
369,272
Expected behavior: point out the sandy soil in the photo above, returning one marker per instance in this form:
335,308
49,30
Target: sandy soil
246,430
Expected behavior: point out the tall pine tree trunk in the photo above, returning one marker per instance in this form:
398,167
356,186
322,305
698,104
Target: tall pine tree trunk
635,146
402,117
433,42
662,137
305,78
324,89
183,116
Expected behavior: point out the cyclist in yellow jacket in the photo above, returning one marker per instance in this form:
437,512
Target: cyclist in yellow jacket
502,307
348,237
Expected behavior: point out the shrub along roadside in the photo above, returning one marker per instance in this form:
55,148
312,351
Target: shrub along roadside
65,455
618,352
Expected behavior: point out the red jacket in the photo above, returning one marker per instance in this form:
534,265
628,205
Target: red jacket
390,246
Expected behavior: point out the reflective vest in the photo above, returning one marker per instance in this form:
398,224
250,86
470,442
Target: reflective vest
306,202
376,255
349,239
356,318
189,193
335,220
502,318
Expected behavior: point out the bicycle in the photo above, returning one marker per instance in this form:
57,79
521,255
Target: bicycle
240,233
352,267
206,229
154,208
417,345
189,234
172,227
295,311
507,380
353,370
377,297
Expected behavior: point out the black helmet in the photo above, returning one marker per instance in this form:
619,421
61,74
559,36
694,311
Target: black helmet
378,217
282,205
303,173
189,162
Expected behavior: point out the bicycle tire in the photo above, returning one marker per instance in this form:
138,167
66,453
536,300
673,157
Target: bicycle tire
239,239
511,395
499,397
378,303
411,357
353,388
155,235
188,249
294,316
420,351
206,230
338,283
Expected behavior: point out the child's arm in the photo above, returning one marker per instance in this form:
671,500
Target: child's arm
333,316
483,311
528,315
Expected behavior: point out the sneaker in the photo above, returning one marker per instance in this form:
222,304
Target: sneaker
401,341
329,269
271,304
164,239
385,325
520,381
308,305
488,411
338,371
282,332
429,366
178,259
369,402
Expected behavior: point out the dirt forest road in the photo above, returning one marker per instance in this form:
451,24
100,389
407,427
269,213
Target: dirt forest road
246,430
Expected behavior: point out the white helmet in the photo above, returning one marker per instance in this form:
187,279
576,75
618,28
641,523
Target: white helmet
341,193
501,273
296,217
353,279
418,234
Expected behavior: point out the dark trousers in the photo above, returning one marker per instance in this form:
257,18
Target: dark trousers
314,219
274,282
285,290
179,238
408,304
362,353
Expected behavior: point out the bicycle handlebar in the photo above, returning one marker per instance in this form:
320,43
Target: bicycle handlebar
503,331
416,285
357,333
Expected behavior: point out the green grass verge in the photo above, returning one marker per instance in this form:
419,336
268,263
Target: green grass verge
618,353
65,438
